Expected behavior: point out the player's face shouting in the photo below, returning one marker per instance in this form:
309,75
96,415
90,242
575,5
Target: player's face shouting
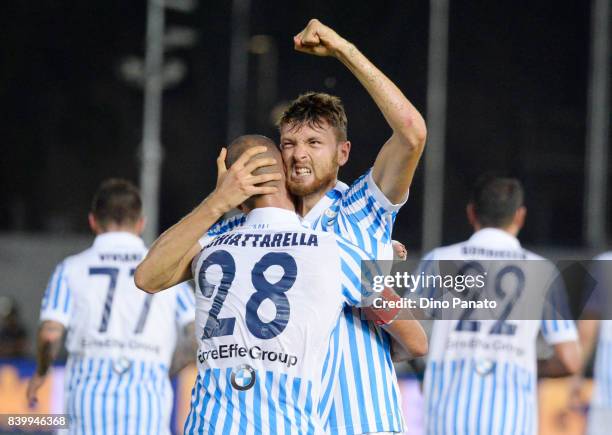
310,155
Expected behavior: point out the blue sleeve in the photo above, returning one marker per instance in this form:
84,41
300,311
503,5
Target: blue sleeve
365,204
358,271
222,226
57,300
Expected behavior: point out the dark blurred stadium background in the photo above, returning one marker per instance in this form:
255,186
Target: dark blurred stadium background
517,101
71,91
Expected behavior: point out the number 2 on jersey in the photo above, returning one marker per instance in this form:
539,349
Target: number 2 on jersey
500,327
264,289
113,273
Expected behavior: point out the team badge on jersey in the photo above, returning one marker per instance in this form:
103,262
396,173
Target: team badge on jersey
243,377
121,365
331,217
484,366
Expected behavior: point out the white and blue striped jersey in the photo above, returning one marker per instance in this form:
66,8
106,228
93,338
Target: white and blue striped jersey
269,295
481,377
366,397
120,340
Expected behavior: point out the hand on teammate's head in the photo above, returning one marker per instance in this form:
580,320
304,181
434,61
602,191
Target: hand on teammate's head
237,184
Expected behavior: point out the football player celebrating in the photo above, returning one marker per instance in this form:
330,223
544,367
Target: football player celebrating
314,145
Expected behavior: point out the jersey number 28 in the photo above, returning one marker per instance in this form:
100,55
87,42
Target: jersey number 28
264,289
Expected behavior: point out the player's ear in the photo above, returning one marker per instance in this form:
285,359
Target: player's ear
93,223
141,223
343,149
519,217
471,216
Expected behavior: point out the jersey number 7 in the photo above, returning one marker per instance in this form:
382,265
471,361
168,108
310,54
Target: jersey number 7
113,273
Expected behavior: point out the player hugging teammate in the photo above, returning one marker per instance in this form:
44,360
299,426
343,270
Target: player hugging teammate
356,390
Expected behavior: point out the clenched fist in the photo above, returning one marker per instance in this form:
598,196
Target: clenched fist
318,39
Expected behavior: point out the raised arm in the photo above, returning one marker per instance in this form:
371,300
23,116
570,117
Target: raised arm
169,259
47,347
397,161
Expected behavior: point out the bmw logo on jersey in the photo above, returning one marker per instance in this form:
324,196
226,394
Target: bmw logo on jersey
243,377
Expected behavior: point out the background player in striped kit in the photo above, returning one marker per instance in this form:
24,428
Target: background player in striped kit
491,388
120,340
596,330
313,140
276,295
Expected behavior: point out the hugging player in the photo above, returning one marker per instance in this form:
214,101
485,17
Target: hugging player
314,144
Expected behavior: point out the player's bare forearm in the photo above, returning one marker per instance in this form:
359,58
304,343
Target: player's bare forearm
565,361
168,261
552,368
47,347
409,339
587,331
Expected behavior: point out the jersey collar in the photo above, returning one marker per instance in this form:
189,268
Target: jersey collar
271,216
326,201
495,236
118,238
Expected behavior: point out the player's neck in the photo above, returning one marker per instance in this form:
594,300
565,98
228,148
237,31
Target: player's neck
119,229
510,229
275,201
305,203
